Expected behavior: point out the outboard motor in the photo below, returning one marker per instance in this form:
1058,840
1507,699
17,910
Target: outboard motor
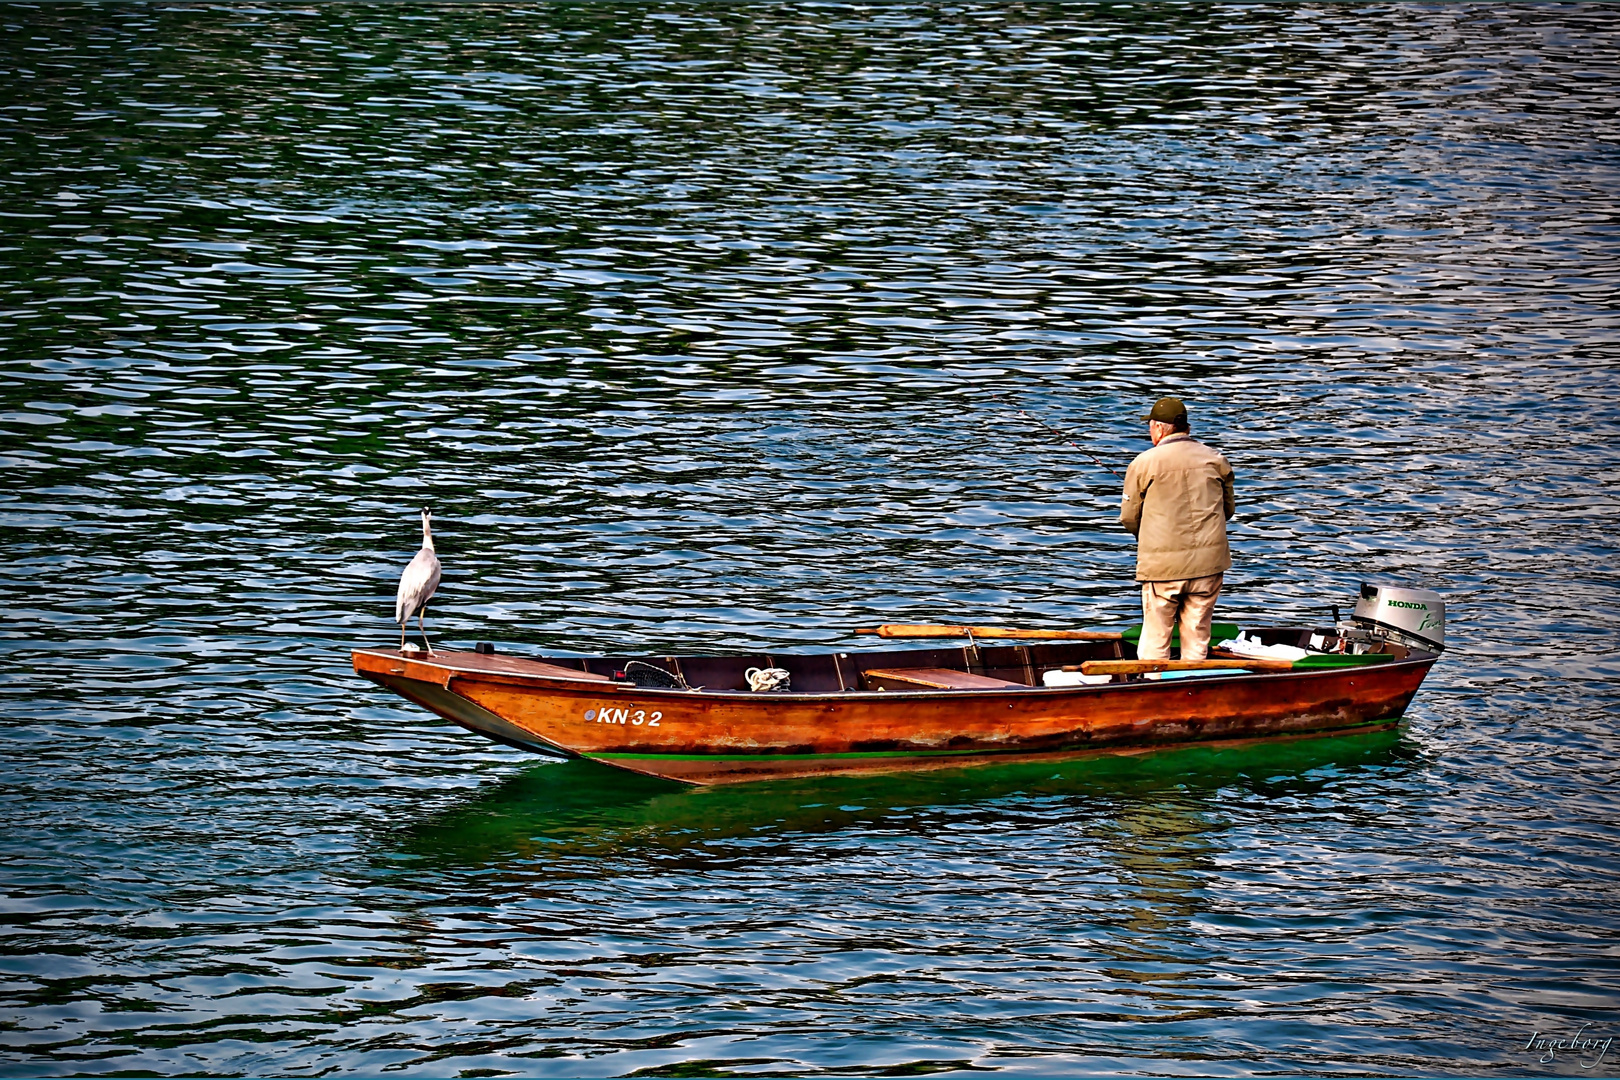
1415,618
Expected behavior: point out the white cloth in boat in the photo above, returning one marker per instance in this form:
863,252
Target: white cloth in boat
1244,645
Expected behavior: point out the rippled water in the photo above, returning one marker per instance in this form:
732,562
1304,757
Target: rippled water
701,326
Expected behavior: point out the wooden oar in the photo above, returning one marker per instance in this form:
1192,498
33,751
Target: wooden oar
1218,631
1314,662
908,630
1143,667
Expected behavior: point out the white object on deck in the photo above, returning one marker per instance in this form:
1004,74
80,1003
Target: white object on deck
1244,645
1073,678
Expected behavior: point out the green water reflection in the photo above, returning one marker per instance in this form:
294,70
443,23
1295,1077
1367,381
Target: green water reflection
581,807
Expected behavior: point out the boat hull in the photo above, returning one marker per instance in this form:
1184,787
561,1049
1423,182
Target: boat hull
723,736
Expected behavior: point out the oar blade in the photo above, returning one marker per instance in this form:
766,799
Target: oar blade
915,630
1340,660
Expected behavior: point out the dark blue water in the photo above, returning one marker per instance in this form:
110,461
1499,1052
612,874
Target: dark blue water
701,327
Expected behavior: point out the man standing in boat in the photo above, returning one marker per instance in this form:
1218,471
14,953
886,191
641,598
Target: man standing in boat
1178,497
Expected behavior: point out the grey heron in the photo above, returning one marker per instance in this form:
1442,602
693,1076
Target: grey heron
416,584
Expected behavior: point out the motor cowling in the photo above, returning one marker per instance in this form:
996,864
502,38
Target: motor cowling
1412,617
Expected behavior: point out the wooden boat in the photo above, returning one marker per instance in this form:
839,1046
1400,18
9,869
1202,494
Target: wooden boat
888,710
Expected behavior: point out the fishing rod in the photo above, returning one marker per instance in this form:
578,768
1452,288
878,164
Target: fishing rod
1035,420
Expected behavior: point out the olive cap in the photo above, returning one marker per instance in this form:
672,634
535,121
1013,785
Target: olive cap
1168,410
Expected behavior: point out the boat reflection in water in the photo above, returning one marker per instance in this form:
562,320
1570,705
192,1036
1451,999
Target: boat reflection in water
1148,804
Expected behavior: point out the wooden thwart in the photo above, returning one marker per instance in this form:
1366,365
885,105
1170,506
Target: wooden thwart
925,630
935,679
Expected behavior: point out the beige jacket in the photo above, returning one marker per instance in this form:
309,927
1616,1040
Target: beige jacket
1178,496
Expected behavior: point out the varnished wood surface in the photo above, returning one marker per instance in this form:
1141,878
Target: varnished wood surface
935,679
737,770
395,661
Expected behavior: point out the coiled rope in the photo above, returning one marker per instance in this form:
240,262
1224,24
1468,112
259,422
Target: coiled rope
764,680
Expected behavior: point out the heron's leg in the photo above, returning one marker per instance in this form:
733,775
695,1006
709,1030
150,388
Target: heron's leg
422,628
402,633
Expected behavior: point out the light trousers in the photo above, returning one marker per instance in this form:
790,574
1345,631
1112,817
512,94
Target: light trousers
1165,603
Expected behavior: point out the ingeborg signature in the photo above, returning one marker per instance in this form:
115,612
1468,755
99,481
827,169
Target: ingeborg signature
1583,1047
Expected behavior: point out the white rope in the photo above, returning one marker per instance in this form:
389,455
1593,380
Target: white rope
761,680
